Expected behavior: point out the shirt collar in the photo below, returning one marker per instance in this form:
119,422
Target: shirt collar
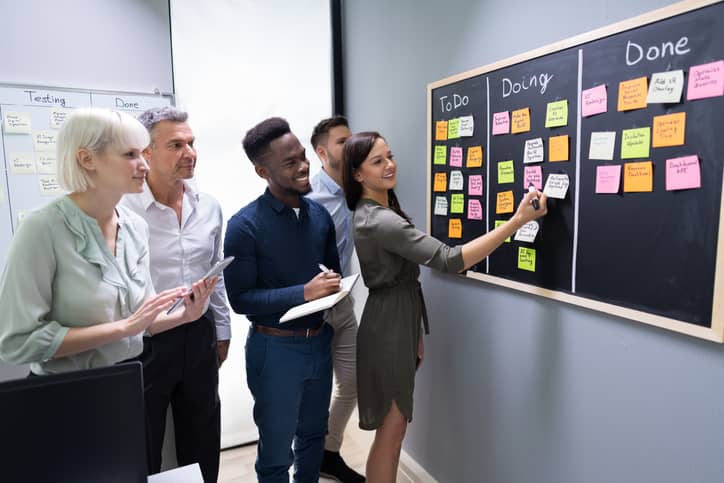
329,183
278,206
147,198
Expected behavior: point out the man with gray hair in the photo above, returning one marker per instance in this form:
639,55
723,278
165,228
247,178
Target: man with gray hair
180,366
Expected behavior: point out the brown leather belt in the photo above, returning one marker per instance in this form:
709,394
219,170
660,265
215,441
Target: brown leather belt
289,333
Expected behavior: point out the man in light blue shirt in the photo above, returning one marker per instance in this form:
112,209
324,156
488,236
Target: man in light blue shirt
328,140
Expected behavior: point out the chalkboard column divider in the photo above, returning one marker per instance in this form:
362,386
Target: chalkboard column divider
576,203
487,165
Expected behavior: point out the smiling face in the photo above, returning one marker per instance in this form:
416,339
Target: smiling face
378,172
171,154
285,167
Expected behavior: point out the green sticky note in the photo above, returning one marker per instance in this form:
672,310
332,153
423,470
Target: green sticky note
502,222
453,128
440,155
506,173
635,143
457,203
557,113
526,259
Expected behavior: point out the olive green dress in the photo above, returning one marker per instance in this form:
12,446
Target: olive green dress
390,250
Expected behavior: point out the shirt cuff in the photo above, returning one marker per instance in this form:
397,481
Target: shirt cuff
223,332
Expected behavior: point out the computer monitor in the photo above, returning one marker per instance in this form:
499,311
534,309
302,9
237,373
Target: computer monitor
84,426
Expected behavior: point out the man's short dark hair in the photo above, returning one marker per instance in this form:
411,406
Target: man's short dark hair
257,139
321,130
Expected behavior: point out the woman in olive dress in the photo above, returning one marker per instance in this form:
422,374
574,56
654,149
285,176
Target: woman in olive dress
390,250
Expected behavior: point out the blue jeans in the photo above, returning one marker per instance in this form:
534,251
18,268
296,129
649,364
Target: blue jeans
291,381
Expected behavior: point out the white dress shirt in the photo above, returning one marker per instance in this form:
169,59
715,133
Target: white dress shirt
181,255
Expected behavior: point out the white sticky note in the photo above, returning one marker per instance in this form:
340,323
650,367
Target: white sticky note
666,87
465,129
556,186
533,151
527,232
49,186
601,146
58,116
45,163
44,140
457,182
16,123
21,163
441,205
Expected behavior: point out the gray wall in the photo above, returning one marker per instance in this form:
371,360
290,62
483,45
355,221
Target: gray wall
517,388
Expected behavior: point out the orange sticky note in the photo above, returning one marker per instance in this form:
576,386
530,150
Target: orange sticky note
504,202
440,182
669,130
475,157
520,120
632,94
558,148
455,228
638,177
441,131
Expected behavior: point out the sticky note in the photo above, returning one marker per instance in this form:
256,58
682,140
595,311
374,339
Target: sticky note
683,173
475,210
456,156
22,163
49,186
706,80
58,116
602,144
526,259
527,232
475,157
669,130
533,175
440,183
455,228
501,123
533,151
441,131
16,123
440,155
556,186
457,203
558,148
520,121
632,94
666,87
635,143
44,140
608,179
557,113
504,202
46,163
475,185
594,101
638,177
457,182
466,126
499,223
440,206
452,128
506,172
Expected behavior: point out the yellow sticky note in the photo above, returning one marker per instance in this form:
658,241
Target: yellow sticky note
475,157
440,155
526,259
635,143
638,177
632,94
557,113
558,148
506,172
502,222
455,228
669,130
520,121
440,130
453,126
440,182
457,203
504,203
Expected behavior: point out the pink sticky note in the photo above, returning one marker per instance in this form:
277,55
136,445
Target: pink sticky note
608,179
456,157
533,175
501,123
475,185
706,80
683,173
594,101
475,210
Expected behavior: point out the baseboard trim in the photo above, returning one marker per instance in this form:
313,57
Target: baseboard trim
411,472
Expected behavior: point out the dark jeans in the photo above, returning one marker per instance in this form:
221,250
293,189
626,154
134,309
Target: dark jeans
291,381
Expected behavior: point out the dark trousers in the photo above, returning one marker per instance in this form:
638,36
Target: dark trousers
291,381
180,368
